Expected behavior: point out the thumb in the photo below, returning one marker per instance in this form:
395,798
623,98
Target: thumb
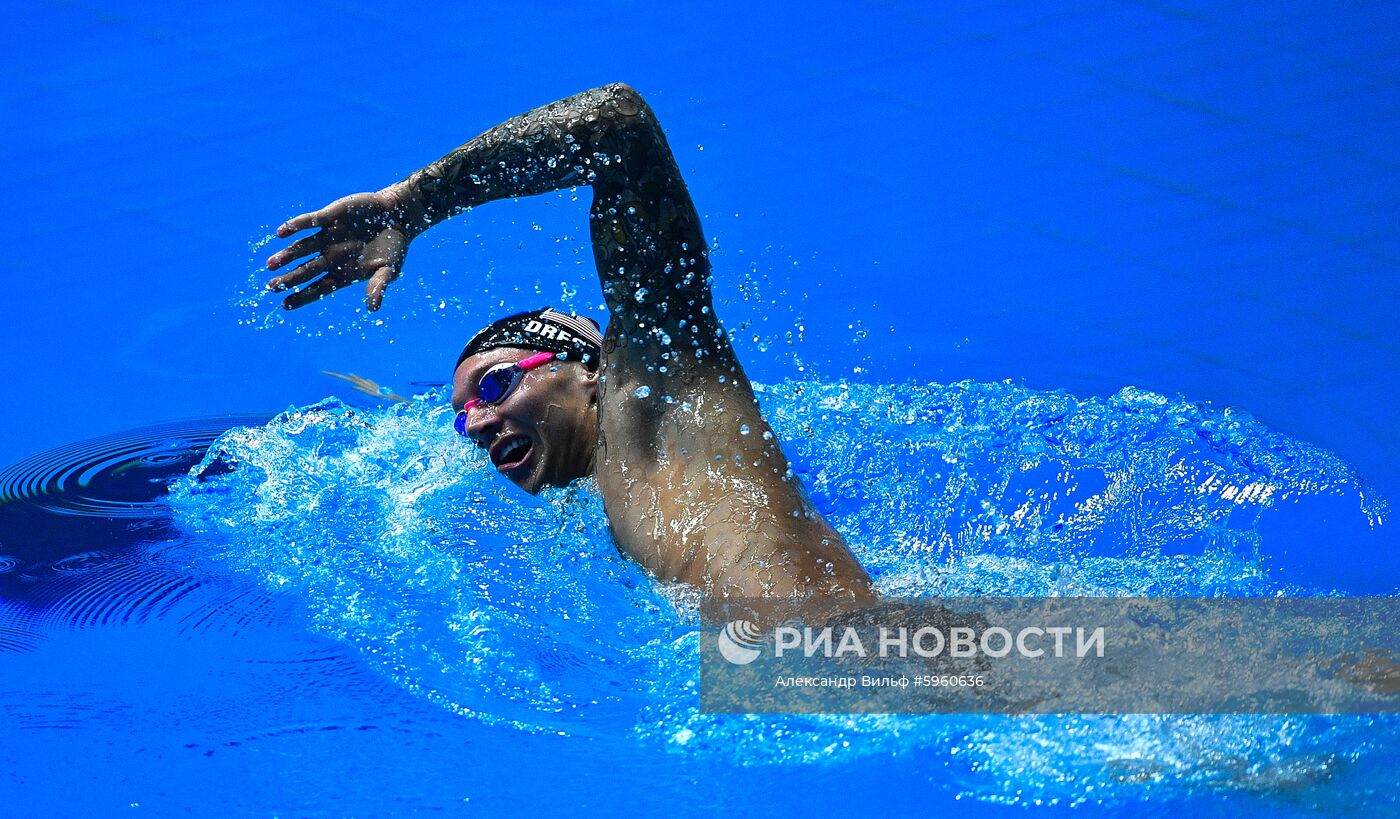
378,283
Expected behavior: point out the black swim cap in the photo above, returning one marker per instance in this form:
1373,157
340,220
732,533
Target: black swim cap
547,330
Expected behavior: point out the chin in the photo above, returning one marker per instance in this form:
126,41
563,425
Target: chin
536,481
533,481
528,483
545,473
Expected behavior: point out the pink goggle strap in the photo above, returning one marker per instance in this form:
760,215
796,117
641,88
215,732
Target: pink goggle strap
535,360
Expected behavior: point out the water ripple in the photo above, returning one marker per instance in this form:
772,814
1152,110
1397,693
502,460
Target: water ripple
115,476
84,562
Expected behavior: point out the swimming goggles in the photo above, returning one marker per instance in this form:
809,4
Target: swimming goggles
497,383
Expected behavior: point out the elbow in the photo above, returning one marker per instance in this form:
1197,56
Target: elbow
628,121
627,102
625,123
622,92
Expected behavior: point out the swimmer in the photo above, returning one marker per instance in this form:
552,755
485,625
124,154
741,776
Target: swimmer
658,408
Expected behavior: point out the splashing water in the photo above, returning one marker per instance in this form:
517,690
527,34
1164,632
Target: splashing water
518,611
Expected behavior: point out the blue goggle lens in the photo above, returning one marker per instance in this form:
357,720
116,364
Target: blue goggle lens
494,386
496,383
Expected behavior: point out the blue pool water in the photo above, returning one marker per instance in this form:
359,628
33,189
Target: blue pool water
1092,300
354,572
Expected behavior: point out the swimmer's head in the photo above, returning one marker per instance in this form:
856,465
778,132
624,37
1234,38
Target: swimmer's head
538,426
573,337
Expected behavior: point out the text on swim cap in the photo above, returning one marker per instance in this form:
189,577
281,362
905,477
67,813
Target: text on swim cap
539,328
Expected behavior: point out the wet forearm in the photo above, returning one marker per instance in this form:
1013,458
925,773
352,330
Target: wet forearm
649,249
563,144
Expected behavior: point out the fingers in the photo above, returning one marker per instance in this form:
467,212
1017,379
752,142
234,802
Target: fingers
355,243
298,223
378,283
317,290
385,257
296,250
316,218
334,255
300,275
329,214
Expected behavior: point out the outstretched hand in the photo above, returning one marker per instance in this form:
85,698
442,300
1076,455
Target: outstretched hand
363,236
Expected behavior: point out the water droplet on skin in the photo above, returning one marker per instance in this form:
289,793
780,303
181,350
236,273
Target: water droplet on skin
744,429
642,391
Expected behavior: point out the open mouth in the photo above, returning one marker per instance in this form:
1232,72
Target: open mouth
511,452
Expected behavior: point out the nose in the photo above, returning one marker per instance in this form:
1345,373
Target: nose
482,424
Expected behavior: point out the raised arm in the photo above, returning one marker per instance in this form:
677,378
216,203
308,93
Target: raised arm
647,241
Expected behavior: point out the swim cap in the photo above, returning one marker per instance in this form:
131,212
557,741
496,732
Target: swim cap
547,330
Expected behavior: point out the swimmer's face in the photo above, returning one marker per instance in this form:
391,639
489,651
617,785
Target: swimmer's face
544,432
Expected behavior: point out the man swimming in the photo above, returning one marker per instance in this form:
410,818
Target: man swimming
658,409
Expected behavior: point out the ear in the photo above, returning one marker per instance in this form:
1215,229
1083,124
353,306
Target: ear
590,384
